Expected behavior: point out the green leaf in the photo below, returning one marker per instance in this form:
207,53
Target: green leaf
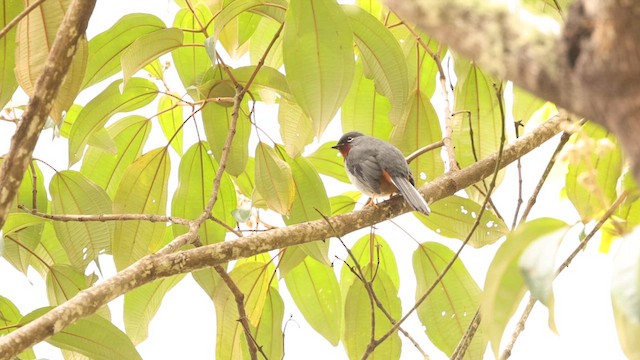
208,279
49,251
449,309
419,126
8,321
328,161
64,282
267,78
105,49
22,233
318,58
253,279
538,267
594,168
383,58
524,105
92,336
148,48
274,179
191,60
454,217
97,112
364,109
357,316
344,203
504,286
269,330
309,203
142,304
477,125
35,36
216,119
373,253
197,171
265,31
295,128
421,65
72,193
170,119
8,82
315,290
106,170
143,190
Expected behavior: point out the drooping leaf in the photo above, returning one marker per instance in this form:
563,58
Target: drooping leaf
170,119
261,38
449,309
274,180
216,119
35,36
196,174
421,66
593,172
295,128
357,316
92,336
143,190
148,48
191,60
318,58
269,330
344,203
107,170
504,286
454,217
417,128
253,279
64,282
372,253
208,279
267,78
524,105
477,125
8,83
72,193
329,162
538,267
364,109
10,318
105,49
315,290
383,59
49,251
97,112
142,304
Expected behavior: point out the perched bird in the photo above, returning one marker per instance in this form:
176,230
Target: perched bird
376,167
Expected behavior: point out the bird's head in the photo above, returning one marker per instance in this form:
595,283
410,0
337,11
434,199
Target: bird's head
346,142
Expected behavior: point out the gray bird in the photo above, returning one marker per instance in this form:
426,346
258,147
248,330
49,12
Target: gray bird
376,167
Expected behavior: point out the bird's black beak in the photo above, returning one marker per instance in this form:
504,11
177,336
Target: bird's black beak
336,147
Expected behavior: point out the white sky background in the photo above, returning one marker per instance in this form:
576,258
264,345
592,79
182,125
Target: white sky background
185,324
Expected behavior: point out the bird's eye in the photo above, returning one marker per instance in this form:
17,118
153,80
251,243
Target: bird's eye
349,139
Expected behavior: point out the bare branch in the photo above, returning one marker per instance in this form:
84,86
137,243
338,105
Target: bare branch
107,217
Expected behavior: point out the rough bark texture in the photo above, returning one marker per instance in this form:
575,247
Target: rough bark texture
24,140
589,65
157,266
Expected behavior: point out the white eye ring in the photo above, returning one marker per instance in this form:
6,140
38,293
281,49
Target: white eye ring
349,139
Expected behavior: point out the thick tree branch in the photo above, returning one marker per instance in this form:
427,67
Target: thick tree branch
24,140
585,65
156,266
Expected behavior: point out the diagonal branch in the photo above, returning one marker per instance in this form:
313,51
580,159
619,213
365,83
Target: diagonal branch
156,266
47,86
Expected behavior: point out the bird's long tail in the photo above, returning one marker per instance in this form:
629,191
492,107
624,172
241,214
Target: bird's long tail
412,195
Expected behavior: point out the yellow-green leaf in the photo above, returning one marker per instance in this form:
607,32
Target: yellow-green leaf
328,161
34,40
10,318
357,317
318,58
274,180
295,128
64,282
105,49
9,9
191,60
143,190
72,193
147,48
449,309
196,173
504,286
97,112
454,217
170,119
142,304
524,105
107,170
315,290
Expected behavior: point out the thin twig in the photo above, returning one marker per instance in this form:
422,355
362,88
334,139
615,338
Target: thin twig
516,125
520,325
106,217
20,16
467,337
242,313
424,150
